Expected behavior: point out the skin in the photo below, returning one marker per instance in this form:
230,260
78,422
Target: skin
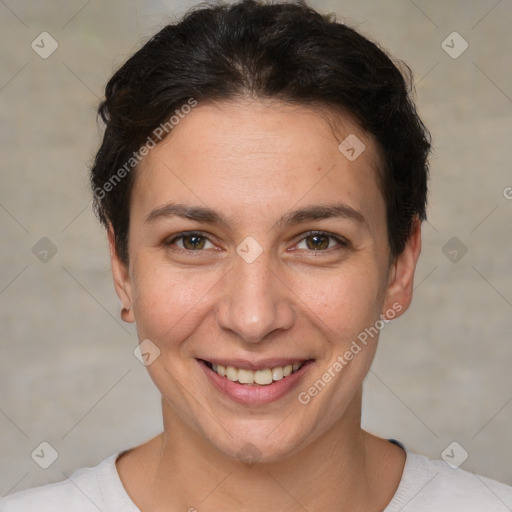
254,162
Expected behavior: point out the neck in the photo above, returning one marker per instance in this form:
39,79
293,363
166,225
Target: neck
340,470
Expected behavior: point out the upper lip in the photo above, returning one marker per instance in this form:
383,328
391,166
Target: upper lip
260,364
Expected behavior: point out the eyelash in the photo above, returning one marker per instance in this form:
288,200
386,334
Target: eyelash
341,241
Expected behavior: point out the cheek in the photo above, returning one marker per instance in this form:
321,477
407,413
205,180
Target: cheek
342,302
168,303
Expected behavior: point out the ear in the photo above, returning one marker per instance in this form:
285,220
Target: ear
122,282
401,274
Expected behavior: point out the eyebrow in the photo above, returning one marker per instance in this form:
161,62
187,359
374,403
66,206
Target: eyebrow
209,216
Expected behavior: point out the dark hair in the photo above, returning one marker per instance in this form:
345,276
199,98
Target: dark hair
284,51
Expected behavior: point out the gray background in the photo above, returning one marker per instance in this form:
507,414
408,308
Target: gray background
69,376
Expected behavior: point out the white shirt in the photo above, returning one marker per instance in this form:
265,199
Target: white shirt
426,486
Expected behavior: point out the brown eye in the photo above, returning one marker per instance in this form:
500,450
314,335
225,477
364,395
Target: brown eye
193,242
319,241
189,241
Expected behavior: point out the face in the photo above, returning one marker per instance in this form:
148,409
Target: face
256,244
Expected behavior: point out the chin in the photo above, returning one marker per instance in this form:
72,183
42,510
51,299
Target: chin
274,443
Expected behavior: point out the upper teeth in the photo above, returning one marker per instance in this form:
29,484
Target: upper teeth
262,377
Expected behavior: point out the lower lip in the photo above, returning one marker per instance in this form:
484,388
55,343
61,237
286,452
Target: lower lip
255,394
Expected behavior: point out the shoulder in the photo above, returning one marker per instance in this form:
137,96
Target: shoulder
428,485
86,490
47,498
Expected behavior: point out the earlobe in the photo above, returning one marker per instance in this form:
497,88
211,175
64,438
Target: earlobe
125,312
401,274
122,283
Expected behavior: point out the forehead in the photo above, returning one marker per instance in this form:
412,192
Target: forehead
261,155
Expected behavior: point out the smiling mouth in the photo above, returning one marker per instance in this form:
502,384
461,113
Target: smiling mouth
263,377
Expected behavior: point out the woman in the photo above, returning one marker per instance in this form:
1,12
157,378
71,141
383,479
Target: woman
262,179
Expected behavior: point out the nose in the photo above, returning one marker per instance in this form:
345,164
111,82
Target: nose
255,301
